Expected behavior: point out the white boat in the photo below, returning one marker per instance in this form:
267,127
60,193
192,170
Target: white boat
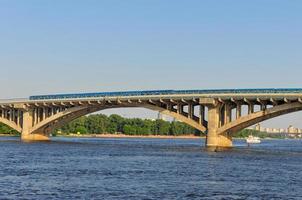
253,140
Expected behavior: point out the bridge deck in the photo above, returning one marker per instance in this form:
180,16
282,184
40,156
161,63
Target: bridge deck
218,93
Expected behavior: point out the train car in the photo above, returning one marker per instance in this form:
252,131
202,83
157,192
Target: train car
166,92
101,94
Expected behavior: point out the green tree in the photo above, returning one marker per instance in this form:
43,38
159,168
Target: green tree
162,127
99,124
81,130
118,123
129,130
96,124
4,129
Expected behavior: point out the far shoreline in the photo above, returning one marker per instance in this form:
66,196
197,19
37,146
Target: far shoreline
130,136
118,136
139,136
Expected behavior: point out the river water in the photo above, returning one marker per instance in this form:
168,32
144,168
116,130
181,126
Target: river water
148,169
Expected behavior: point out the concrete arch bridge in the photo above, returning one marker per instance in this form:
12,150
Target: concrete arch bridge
219,113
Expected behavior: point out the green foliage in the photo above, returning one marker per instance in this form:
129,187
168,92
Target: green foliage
81,130
130,130
162,127
178,128
7,130
114,124
246,132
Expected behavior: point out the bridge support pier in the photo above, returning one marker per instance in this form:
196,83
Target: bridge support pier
26,134
34,137
216,140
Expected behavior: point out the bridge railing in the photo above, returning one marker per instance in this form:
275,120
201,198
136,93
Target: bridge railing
15,100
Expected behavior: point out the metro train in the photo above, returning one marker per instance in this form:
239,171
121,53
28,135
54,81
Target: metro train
165,92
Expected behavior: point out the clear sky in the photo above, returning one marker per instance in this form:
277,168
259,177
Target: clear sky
63,46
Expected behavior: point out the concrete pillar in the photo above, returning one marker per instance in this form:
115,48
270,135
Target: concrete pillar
35,116
44,113
214,139
250,108
11,115
18,118
5,114
14,115
21,118
238,111
39,114
26,134
52,112
221,116
171,106
201,114
213,123
227,114
27,121
179,109
190,111
263,107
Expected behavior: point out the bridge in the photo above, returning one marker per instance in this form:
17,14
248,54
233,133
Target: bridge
218,113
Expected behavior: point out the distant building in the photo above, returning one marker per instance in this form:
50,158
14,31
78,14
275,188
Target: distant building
290,130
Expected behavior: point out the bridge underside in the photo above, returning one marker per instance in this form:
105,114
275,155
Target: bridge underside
219,118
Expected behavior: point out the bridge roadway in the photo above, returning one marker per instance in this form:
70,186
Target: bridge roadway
218,113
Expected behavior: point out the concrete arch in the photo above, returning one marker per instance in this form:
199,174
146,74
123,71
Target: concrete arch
62,118
257,117
177,116
52,119
11,124
70,117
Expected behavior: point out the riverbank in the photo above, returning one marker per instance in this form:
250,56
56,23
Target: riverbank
9,135
139,136
130,136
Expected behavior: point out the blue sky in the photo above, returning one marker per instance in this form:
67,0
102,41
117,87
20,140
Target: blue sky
62,46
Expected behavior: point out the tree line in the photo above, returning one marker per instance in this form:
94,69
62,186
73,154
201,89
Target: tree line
114,124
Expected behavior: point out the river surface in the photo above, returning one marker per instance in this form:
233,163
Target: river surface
67,168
